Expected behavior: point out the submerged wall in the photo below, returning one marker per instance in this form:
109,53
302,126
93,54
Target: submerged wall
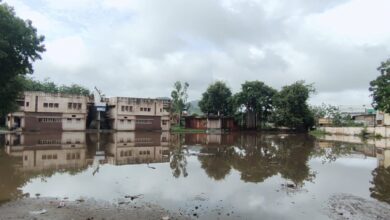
383,131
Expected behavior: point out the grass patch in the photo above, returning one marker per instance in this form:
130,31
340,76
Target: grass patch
178,129
317,133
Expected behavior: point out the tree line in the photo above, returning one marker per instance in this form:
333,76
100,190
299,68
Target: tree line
257,105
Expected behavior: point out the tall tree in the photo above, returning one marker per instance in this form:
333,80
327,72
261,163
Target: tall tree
217,99
20,46
291,108
256,98
380,88
179,98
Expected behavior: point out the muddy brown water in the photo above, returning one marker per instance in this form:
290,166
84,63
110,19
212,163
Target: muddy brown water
205,176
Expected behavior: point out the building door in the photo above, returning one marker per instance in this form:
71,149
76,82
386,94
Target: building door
17,122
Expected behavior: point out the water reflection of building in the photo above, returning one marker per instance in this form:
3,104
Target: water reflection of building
383,156
134,148
354,145
210,139
40,151
47,151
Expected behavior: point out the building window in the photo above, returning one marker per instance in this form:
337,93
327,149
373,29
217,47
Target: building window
51,105
142,109
49,120
27,104
131,108
78,119
144,121
164,122
20,103
128,121
148,109
56,105
122,120
69,119
123,108
45,105
160,109
69,105
79,106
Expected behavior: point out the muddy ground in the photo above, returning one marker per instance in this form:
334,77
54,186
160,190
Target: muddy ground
346,206
52,208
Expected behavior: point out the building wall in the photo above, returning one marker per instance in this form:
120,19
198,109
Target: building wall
384,131
367,120
147,123
43,111
165,123
138,114
74,122
54,103
42,121
196,123
214,123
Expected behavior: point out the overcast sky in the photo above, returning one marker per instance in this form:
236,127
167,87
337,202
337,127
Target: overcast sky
140,47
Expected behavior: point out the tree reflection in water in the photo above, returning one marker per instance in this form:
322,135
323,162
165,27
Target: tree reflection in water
178,161
381,184
258,157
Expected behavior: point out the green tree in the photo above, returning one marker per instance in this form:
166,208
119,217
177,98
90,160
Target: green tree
179,98
217,99
256,98
48,86
291,108
328,111
380,88
20,46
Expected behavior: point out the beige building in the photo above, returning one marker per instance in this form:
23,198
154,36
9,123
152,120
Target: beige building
382,119
45,111
129,114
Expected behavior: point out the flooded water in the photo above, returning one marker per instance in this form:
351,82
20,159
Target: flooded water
205,176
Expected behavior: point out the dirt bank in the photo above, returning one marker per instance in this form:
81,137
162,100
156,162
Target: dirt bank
346,206
52,208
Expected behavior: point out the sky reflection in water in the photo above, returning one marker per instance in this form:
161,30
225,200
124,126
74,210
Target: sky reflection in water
275,176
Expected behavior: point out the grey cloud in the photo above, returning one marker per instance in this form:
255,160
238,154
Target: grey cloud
140,47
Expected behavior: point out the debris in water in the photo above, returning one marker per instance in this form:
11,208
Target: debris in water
133,197
151,167
62,204
39,212
27,195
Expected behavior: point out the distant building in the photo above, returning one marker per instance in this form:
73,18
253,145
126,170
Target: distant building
365,119
129,114
45,111
210,123
382,119
325,122
353,110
